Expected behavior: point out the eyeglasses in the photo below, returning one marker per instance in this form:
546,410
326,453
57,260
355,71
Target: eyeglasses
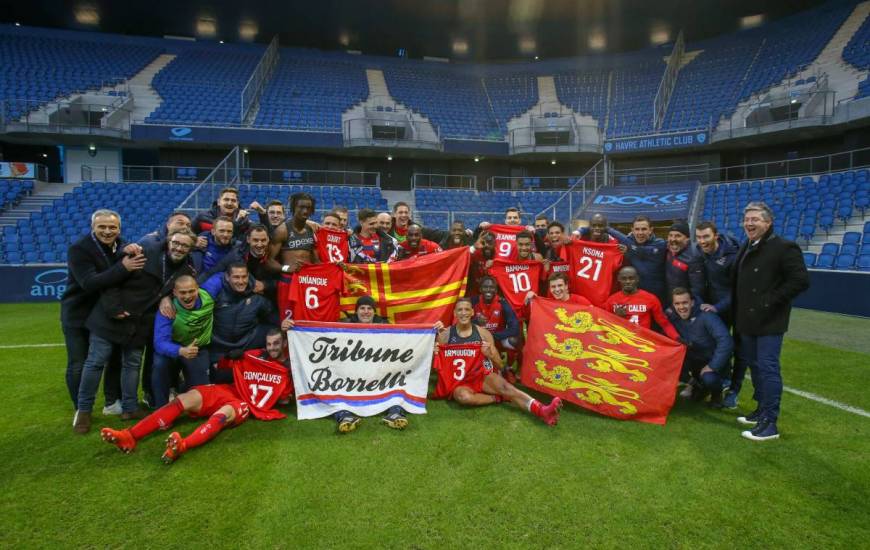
180,246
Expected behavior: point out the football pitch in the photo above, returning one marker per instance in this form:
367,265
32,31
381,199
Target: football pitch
456,478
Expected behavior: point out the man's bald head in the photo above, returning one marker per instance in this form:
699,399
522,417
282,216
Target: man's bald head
598,228
186,291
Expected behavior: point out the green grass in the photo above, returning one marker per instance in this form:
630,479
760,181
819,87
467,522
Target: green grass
488,477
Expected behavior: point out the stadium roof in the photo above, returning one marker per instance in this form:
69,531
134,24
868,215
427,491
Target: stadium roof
475,30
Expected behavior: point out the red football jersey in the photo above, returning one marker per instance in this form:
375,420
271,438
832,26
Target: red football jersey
516,279
460,365
593,268
260,382
506,240
492,314
332,245
425,247
642,308
315,293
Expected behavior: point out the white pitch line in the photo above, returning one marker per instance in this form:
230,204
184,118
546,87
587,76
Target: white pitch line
21,346
828,402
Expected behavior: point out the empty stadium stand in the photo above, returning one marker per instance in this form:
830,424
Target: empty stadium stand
143,208
473,207
203,85
454,100
310,90
806,209
857,54
12,191
38,68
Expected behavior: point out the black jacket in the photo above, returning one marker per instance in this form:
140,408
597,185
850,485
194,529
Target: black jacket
766,278
138,295
204,220
237,314
684,270
91,270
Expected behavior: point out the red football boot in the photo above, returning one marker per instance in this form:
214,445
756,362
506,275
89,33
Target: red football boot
550,413
122,439
175,447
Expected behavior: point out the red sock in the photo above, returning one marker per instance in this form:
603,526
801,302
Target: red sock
206,431
535,407
160,419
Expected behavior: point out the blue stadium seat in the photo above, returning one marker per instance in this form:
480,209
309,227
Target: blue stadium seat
845,261
831,249
809,259
825,261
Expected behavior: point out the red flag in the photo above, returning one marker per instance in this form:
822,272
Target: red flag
593,268
418,290
601,362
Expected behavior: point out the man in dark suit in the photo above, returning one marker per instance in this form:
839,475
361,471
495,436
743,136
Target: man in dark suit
97,261
124,318
769,272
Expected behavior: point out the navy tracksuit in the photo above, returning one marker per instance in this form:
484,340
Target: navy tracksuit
716,269
708,342
649,261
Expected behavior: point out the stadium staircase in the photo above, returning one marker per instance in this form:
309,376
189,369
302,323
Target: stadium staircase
146,100
548,111
44,194
380,107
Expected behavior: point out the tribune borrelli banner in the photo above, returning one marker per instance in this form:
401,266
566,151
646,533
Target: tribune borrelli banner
361,368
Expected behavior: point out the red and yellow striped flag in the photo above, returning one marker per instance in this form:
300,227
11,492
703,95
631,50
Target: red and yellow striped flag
418,290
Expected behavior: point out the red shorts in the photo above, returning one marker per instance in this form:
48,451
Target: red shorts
447,381
215,396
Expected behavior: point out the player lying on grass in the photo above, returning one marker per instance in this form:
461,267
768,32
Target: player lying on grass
258,384
468,365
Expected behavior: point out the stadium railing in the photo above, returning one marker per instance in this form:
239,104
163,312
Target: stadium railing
564,135
401,132
531,183
804,166
575,197
800,109
443,181
170,174
653,175
260,76
225,174
111,118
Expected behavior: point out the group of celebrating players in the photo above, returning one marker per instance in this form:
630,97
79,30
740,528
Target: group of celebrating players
199,304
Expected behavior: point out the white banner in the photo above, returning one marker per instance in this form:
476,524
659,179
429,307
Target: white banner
364,369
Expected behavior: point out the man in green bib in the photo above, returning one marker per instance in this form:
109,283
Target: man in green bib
183,340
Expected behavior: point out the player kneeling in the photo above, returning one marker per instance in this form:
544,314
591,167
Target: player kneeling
468,364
